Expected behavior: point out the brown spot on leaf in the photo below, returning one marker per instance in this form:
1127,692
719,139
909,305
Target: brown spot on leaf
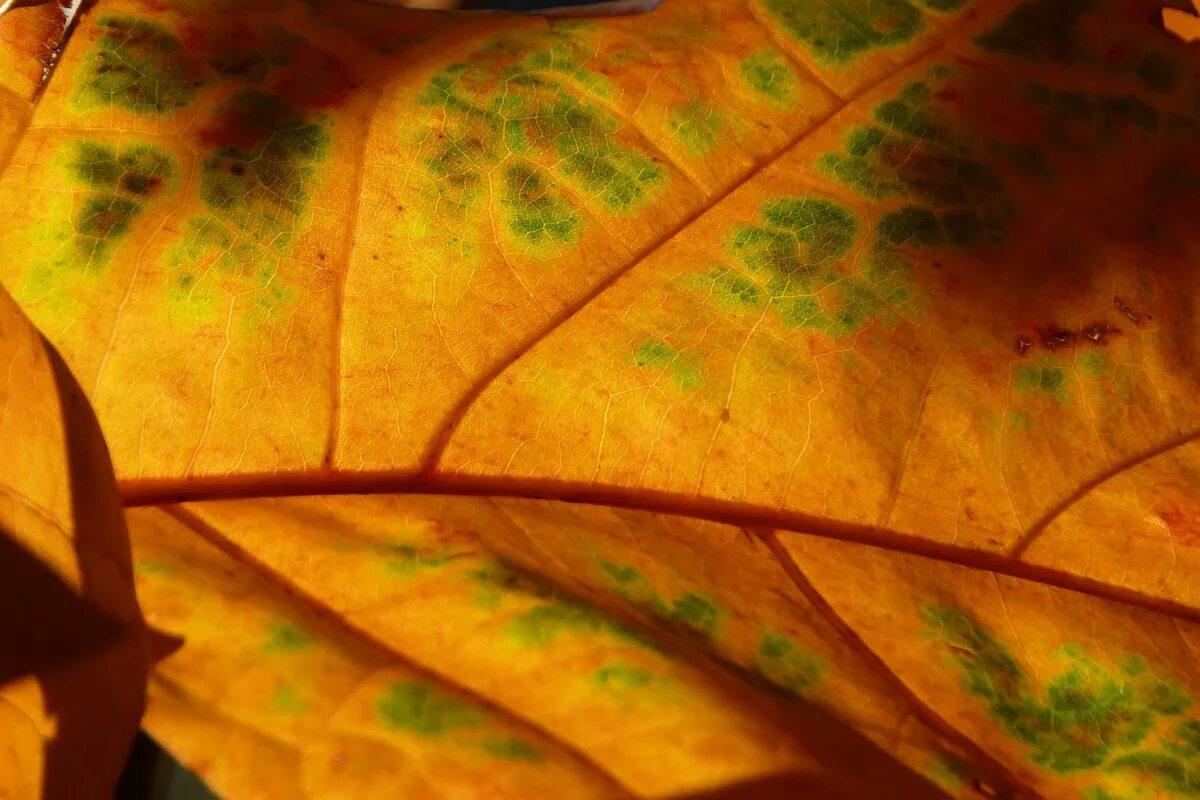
141,185
725,415
1133,315
1055,338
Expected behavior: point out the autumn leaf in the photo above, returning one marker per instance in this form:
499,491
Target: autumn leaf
74,661
745,394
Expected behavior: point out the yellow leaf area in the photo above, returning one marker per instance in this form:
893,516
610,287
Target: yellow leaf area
672,655
746,391
73,662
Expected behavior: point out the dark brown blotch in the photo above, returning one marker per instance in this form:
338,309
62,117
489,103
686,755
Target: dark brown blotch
1055,338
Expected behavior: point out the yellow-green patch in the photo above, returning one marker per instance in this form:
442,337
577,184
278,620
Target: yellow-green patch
656,354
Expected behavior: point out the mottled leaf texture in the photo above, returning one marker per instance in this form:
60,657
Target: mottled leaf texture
73,660
751,398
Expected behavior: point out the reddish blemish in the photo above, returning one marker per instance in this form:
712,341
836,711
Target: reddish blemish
319,78
240,127
228,38
1183,523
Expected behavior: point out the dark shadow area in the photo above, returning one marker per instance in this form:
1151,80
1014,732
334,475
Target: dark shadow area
45,624
96,708
151,773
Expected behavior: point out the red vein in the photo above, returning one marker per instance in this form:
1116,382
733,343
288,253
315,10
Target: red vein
144,493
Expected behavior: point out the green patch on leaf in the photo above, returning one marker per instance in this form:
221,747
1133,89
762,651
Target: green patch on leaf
697,126
658,355
785,664
620,676
689,609
286,700
836,32
697,612
539,213
1044,377
148,567
403,560
542,624
1095,365
727,288
949,773
420,708
797,250
911,223
139,66
917,152
1041,30
1019,421
800,238
121,181
768,73
519,94
513,749
1087,716
256,186
286,637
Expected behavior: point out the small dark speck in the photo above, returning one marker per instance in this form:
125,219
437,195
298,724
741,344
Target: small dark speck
1125,308
970,513
399,208
374,258
238,169
1057,338
321,256
725,415
1023,345
1098,332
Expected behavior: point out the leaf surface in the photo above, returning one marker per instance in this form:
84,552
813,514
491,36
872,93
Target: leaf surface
73,666
749,390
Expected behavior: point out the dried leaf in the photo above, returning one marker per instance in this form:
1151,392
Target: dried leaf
748,392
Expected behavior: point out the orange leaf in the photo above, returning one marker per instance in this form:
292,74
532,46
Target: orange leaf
748,391
73,664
